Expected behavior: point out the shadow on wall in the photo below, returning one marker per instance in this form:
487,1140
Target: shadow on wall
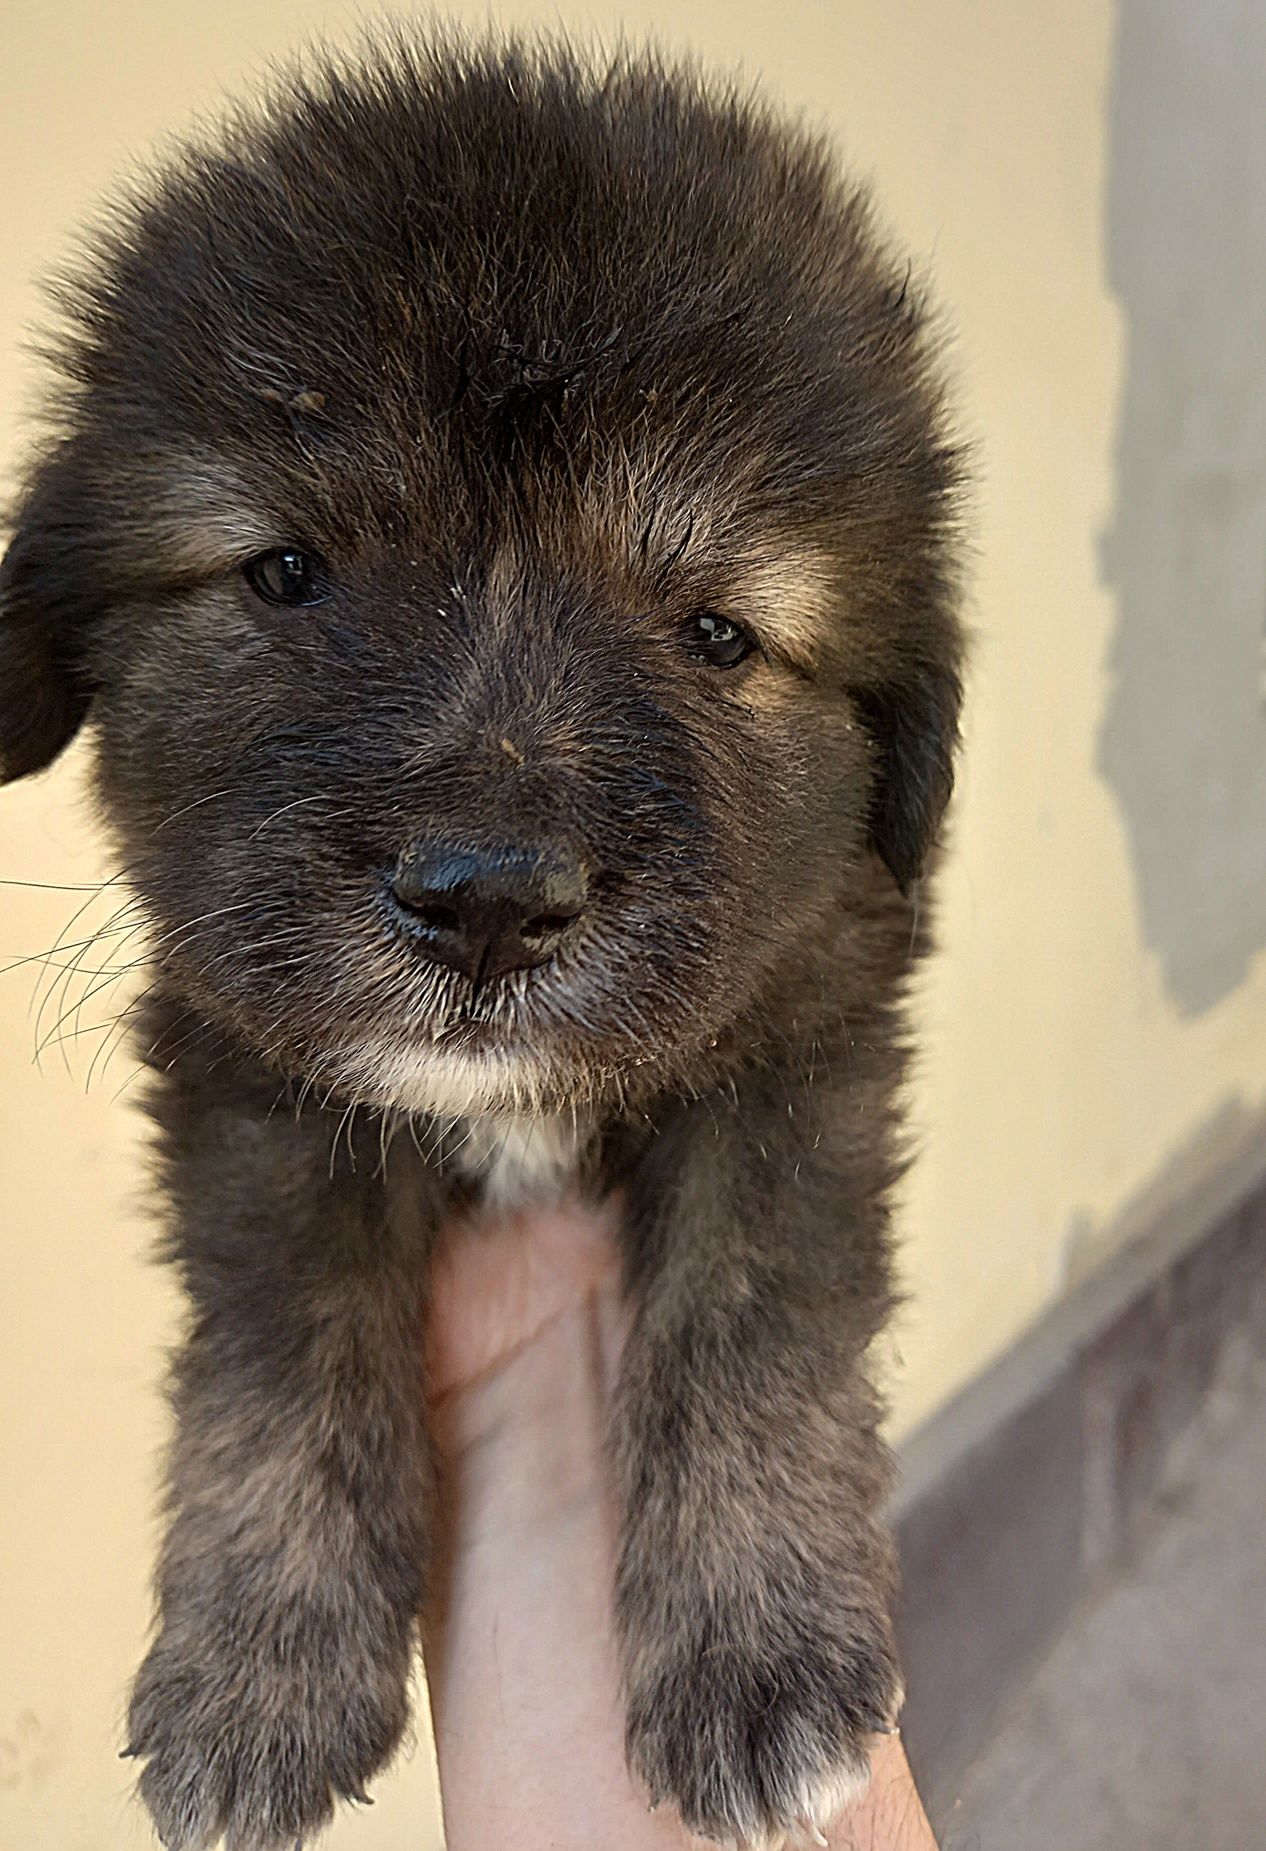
1184,738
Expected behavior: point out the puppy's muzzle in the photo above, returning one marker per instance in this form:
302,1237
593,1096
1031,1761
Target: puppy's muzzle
489,908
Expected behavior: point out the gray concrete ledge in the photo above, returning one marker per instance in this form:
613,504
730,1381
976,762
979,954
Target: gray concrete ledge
1020,1496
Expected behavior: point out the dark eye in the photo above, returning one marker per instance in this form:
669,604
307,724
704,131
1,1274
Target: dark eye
717,641
287,576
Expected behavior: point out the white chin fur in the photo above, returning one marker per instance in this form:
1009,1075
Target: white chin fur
446,1085
516,1153
521,1161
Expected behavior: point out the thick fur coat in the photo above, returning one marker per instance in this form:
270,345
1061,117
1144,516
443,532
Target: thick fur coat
497,522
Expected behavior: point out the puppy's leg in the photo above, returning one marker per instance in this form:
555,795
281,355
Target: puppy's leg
291,1572
753,1583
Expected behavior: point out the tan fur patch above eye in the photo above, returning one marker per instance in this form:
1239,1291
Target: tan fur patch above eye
787,595
197,517
782,587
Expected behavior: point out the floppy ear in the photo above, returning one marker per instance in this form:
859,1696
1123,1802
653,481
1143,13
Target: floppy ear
914,723
45,609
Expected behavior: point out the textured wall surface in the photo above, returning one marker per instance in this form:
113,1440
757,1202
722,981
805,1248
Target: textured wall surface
1089,193
1185,553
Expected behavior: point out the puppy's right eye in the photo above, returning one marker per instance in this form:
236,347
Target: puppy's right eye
287,576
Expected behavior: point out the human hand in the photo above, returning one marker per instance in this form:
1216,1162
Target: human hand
524,1341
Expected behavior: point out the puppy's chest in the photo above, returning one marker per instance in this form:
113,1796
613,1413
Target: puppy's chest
513,1162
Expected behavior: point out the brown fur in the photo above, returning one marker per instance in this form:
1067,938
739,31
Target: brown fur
543,360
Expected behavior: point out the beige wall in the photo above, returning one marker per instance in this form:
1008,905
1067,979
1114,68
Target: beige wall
1064,1073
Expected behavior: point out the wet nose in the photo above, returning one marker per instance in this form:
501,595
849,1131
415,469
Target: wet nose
489,909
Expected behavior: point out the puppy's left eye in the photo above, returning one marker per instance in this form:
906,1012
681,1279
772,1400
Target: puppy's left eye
287,576
718,641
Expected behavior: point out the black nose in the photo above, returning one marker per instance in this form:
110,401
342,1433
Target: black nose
489,909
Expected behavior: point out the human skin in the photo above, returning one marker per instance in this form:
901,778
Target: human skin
524,1342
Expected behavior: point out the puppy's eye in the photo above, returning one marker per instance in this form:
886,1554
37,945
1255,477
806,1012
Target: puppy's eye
718,641
287,576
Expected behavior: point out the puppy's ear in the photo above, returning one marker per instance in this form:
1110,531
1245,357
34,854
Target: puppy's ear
46,607
914,723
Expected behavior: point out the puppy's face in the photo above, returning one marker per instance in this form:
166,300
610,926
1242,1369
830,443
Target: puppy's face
511,608
452,818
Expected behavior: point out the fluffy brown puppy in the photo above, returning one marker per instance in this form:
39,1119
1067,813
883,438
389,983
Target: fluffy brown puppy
498,523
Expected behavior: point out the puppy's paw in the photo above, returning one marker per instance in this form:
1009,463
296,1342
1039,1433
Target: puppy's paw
254,1745
818,1806
762,1749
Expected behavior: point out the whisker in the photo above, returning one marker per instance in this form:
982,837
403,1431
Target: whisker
185,808
72,1009
62,886
168,1054
60,940
173,939
132,965
320,797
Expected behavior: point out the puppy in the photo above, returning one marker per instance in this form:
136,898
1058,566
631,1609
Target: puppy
498,524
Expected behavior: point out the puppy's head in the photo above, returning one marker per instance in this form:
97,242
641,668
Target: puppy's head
497,526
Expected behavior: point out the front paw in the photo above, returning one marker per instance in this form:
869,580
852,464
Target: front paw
254,1735
762,1735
